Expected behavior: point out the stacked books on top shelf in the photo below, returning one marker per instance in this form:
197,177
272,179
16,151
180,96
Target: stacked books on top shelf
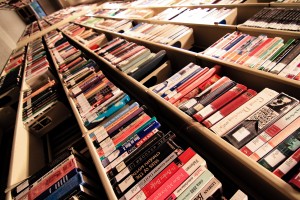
42,107
11,78
263,125
168,34
135,13
272,55
276,18
114,5
106,24
152,3
198,15
68,176
59,15
86,36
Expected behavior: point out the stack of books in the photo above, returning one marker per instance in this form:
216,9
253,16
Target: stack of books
276,18
86,36
68,176
37,70
152,3
96,97
133,59
42,107
260,124
106,24
135,13
197,15
263,53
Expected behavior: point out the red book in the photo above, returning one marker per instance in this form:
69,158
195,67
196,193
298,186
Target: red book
226,110
220,102
193,85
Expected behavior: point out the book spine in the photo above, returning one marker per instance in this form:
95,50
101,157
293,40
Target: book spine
125,155
49,167
211,189
211,97
149,173
220,102
190,103
67,188
295,181
271,131
136,169
260,120
177,179
132,161
280,153
196,186
58,184
287,165
176,193
244,111
150,187
266,148
230,107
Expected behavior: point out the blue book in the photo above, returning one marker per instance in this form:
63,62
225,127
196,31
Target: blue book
69,187
58,184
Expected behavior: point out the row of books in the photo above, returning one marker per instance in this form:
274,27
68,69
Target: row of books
38,70
142,162
68,176
68,12
197,15
263,125
106,24
95,96
86,36
167,34
133,59
276,18
123,130
42,108
263,53
123,13
161,3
